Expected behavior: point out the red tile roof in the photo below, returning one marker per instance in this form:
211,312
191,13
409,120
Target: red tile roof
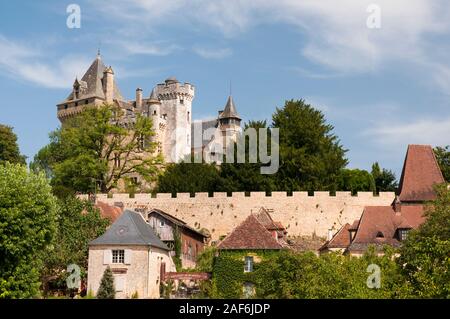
384,220
420,173
340,240
108,211
250,234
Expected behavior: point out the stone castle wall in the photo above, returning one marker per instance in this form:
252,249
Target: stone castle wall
301,214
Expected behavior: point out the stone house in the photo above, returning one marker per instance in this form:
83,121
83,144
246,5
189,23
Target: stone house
389,225
134,253
167,227
256,238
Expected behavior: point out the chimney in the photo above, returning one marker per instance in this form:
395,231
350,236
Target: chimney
397,205
108,84
139,98
330,234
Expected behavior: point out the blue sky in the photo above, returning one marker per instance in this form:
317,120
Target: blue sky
381,88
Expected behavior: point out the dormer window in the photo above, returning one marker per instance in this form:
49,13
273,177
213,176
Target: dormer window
380,235
402,233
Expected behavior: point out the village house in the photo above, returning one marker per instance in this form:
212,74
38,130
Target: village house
134,253
168,227
389,225
256,238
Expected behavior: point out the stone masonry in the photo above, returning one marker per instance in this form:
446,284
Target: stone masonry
301,214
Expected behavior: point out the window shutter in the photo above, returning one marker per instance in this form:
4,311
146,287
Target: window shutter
128,253
107,257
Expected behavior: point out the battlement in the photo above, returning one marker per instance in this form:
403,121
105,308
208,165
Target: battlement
255,195
302,214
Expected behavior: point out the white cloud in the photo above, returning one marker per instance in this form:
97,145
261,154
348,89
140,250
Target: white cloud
336,36
28,63
143,48
209,53
424,131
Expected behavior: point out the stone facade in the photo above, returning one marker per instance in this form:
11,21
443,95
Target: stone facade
139,274
302,215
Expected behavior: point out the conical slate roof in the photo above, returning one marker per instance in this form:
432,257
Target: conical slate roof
230,110
130,229
153,97
91,82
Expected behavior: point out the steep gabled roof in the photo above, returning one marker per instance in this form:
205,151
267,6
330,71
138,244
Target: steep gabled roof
229,110
340,240
377,220
250,234
92,82
420,173
129,229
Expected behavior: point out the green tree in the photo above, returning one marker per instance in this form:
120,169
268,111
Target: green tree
240,177
79,222
385,180
311,156
9,150
443,157
425,253
189,178
106,289
96,149
28,214
356,180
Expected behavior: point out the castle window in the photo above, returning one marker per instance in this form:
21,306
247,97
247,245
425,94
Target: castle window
134,180
188,116
380,235
86,102
248,267
76,103
65,106
181,101
154,112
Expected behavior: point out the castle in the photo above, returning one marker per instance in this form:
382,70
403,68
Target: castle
169,105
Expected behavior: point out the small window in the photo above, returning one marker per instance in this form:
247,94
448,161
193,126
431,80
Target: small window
154,112
248,267
134,180
65,106
162,223
118,256
188,116
76,103
181,101
402,234
380,235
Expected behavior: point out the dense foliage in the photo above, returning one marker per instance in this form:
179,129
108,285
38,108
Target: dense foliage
311,156
9,150
443,157
78,223
28,222
355,180
94,150
385,180
426,252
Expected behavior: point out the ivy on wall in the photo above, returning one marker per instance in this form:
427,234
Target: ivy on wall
228,276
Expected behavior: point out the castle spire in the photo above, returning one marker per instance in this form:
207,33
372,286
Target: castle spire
230,110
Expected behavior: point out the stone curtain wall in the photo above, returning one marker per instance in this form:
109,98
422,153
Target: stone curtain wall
301,214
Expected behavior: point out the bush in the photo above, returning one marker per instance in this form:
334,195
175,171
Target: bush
107,290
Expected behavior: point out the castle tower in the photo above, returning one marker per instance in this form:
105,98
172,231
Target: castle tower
176,108
229,120
96,87
108,84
